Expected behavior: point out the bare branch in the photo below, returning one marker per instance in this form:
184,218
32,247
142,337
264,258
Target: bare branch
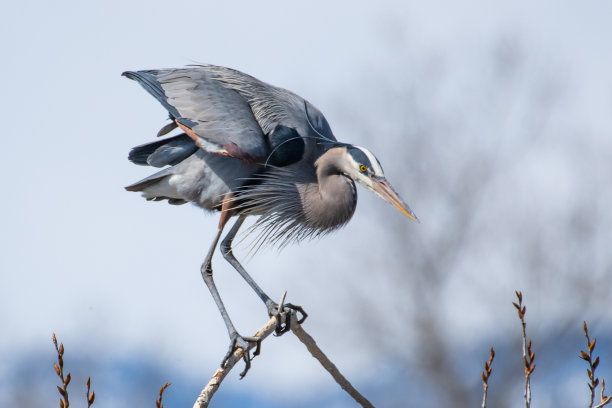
317,353
593,363
213,385
488,367
65,380
90,396
605,400
158,402
528,355
59,370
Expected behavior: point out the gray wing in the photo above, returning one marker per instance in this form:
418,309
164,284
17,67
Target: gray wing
273,106
228,112
218,119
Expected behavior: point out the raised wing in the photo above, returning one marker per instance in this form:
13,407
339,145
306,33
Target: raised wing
218,119
273,106
228,112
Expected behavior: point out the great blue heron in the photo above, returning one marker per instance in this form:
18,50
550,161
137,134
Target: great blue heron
249,148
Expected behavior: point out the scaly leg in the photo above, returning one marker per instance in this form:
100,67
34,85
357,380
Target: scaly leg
226,250
236,340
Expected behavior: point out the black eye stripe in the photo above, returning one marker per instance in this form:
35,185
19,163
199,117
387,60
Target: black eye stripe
359,156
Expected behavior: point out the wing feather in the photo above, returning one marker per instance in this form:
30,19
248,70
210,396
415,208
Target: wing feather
216,117
231,113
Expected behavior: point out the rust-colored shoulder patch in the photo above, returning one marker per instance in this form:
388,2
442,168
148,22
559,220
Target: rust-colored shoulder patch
235,151
231,149
188,131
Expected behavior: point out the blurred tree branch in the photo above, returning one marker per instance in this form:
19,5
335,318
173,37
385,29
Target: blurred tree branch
500,188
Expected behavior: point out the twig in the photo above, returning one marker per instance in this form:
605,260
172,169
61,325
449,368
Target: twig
528,355
90,397
158,402
593,363
59,370
488,366
213,385
604,400
317,353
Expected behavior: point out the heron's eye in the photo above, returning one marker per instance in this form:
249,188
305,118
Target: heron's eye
363,168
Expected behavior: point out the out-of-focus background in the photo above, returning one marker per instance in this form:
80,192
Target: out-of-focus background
493,120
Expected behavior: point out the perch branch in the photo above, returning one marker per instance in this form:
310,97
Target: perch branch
213,385
317,353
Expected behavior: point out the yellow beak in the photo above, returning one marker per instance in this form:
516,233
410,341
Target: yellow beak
383,189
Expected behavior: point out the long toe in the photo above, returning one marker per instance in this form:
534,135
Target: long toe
298,309
282,328
245,344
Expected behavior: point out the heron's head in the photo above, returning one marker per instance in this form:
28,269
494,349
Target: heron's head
361,165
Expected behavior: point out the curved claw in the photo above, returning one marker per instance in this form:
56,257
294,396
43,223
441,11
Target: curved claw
244,343
287,308
298,309
280,328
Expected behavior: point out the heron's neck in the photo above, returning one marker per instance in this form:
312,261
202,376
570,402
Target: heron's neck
332,201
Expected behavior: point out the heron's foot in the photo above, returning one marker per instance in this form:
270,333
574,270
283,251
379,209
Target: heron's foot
244,343
287,309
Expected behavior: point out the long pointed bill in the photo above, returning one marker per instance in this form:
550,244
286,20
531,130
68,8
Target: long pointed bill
382,187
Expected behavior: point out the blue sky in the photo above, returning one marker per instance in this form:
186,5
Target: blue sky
117,277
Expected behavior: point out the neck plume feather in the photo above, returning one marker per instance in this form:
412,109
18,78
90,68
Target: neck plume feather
330,203
293,207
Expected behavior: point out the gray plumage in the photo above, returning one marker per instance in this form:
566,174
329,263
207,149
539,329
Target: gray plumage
165,152
250,148
294,207
236,118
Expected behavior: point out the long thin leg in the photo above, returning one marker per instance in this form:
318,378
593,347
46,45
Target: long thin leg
207,274
226,250
228,254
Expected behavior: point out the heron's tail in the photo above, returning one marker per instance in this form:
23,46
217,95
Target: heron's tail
150,181
156,187
166,152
